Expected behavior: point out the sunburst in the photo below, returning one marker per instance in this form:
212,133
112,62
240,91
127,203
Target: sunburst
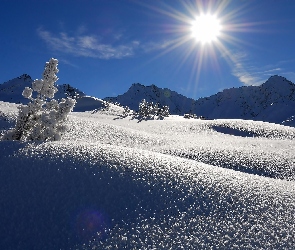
205,30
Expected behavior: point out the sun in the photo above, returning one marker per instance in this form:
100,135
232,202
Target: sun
205,28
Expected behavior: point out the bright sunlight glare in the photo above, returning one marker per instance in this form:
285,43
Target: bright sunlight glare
205,28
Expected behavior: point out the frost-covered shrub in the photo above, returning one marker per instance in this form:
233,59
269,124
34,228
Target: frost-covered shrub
126,111
148,110
43,117
194,116
144,109
164,112
107,105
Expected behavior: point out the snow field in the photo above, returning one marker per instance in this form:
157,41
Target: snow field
114,183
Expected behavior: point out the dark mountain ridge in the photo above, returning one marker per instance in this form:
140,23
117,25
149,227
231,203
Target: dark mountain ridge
177,103
273,101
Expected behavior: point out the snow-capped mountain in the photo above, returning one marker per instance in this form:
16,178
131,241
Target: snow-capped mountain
11,91
273,101
178,104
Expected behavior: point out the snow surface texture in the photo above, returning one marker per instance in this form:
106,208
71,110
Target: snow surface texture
117,183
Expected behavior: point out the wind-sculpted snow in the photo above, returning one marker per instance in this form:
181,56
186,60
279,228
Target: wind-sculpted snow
267,151
118,184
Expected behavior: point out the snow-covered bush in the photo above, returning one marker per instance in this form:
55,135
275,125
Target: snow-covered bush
144,109
126,111
107,105
43,117
193,116
149,110
164,112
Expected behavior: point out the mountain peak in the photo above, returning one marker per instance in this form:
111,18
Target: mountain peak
25,77
11,91
276,77
277,81
177,103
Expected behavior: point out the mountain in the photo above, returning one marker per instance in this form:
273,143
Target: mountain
273,101
178,104
11,91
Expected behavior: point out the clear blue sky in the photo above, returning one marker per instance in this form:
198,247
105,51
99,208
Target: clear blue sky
104,46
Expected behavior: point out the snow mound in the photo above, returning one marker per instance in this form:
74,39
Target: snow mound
86,103
168,184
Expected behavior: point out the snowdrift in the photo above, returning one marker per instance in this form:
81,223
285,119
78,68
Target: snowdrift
116,183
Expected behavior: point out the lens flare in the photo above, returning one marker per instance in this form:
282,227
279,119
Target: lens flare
90,224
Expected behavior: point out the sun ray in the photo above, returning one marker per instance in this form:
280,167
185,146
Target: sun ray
206,31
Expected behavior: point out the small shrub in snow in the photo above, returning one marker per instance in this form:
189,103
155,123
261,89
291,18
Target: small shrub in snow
126,111
107,106
144,109
149,110
43,117
194,116
164,112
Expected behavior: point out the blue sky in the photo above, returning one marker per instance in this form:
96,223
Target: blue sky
104,46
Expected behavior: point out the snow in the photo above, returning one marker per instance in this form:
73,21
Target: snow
119,183
87,103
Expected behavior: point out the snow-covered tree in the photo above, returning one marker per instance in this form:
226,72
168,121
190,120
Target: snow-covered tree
43,117
126,111
163,112
144,109
149,110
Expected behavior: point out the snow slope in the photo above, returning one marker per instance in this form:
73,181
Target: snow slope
117,183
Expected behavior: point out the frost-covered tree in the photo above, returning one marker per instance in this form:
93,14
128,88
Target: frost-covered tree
126,111
163,112
107,105
43,118
144,109
148,110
